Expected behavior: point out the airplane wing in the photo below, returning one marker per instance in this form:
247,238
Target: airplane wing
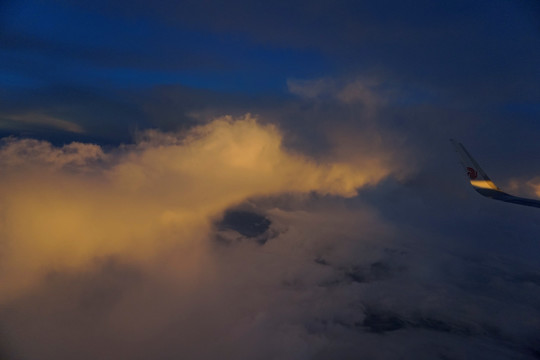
483,184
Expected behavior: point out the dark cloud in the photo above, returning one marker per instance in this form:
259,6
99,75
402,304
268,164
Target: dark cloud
100,117
246,223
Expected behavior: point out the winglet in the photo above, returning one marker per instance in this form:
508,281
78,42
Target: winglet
478,178
483,184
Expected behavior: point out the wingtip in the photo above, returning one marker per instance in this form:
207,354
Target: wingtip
455,144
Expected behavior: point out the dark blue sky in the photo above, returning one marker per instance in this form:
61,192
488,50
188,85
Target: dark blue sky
98,63
68,44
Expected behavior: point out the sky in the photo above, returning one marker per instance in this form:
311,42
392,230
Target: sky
267,180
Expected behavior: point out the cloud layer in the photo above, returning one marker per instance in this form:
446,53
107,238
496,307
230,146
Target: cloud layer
64,207
126,253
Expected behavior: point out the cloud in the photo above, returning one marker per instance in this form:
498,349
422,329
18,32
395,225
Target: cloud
117,254
368,93
113,251
64,207
36,119
334,281
96,117
358,91
310,89
22,152
534,185
364,91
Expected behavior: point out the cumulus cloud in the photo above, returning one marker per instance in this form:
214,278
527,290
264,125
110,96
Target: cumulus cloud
111,253
63,207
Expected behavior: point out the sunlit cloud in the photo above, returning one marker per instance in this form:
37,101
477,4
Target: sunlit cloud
534,185
62,208
523,186
23,153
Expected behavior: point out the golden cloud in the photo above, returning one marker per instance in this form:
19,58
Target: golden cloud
61,208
